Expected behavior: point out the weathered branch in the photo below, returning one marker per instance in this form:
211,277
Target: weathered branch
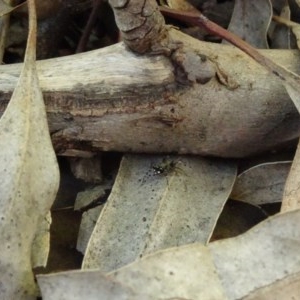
112,99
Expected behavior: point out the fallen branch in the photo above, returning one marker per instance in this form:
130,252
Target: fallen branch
114,100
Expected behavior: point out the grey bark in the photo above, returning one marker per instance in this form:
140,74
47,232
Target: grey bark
114,100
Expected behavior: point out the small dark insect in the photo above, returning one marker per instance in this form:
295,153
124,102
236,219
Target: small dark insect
166,167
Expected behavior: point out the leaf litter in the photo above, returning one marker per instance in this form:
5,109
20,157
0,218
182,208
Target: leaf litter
226,269
272,246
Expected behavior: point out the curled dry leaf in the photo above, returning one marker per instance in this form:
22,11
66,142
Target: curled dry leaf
261,184
158,202
29,176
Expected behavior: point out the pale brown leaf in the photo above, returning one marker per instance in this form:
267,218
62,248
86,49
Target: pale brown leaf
185,272
233,268
158,202
295,27
291,195
78,285
29,176
6,8
250,20
280,35
287,289
261,184
265,254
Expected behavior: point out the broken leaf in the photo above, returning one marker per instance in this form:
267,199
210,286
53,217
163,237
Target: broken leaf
261,184
88,221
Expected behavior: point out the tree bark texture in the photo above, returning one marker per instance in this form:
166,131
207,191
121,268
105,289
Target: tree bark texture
114,100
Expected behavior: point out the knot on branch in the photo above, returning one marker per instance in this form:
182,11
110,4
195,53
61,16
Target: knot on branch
142,25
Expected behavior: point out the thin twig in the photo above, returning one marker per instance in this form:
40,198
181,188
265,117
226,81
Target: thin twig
199,19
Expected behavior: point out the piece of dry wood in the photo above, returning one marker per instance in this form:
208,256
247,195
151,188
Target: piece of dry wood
114,100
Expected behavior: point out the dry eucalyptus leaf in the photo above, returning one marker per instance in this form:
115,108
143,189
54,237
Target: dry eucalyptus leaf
6,8
233,268
265,254
158,202
29,176
78,285
285,289
280,36
182,5
295,27
291,195
250,20
184,272
89,196
88,221
41,243
262,184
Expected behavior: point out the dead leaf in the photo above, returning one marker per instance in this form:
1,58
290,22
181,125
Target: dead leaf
267,253
41,243
295,27
261,184
6,8
158,202
29,176
228,269
250,20
280,35
185,272
291,195
78,285
88,221
178,4
287,289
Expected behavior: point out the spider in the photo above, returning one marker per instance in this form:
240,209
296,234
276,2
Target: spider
165,167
